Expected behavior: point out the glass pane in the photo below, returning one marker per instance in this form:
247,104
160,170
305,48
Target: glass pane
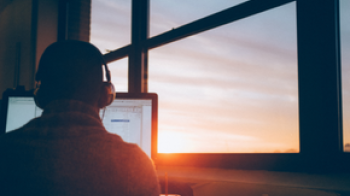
169,14
119,74
345,48
110,24
233,89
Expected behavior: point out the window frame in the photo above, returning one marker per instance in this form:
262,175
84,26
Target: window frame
319,84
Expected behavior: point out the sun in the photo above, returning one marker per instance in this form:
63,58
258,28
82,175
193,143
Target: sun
169,142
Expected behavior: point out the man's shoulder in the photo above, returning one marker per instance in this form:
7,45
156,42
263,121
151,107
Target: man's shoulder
120,144
11,135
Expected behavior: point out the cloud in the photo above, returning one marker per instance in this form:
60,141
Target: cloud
110,24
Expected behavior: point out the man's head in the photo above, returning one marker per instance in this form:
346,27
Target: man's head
72,70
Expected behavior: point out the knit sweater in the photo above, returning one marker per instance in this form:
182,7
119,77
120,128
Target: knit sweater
67,151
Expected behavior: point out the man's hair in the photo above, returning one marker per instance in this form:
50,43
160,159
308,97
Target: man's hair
70,70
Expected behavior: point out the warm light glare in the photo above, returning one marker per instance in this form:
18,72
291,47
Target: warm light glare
170,142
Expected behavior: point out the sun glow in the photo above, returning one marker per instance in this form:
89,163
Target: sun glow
168,142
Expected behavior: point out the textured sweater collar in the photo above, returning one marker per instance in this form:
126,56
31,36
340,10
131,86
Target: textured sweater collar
67,118
59,106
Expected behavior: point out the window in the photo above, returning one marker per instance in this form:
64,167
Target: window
233,87
293,88
110,29
110,24
119,74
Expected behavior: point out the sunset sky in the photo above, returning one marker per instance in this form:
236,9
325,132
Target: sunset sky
230,89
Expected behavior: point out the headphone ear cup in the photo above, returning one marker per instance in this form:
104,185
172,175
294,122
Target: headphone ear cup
111,92
107,95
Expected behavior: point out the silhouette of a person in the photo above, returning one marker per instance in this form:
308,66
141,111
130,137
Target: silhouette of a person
67,151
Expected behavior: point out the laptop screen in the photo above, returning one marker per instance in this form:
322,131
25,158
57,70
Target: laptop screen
131,116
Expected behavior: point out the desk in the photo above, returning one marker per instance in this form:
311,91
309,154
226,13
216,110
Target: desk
225,182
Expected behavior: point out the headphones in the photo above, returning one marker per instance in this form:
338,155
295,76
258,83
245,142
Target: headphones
108,90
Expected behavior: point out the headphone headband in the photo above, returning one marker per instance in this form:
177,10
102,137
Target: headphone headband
107,72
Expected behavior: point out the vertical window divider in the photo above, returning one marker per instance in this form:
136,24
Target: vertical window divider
319,83
137,76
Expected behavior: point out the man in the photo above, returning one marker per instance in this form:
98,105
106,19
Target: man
67,151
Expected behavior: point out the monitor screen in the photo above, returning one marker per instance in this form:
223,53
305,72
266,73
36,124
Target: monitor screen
131,116
131,119
20,110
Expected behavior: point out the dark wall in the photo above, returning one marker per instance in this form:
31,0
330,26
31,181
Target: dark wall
16,48
28,27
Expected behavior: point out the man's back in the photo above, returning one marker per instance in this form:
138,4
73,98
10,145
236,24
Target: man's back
68,152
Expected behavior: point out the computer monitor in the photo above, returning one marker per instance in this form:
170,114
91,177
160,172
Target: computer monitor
17,108
134,118
20,110
131,116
